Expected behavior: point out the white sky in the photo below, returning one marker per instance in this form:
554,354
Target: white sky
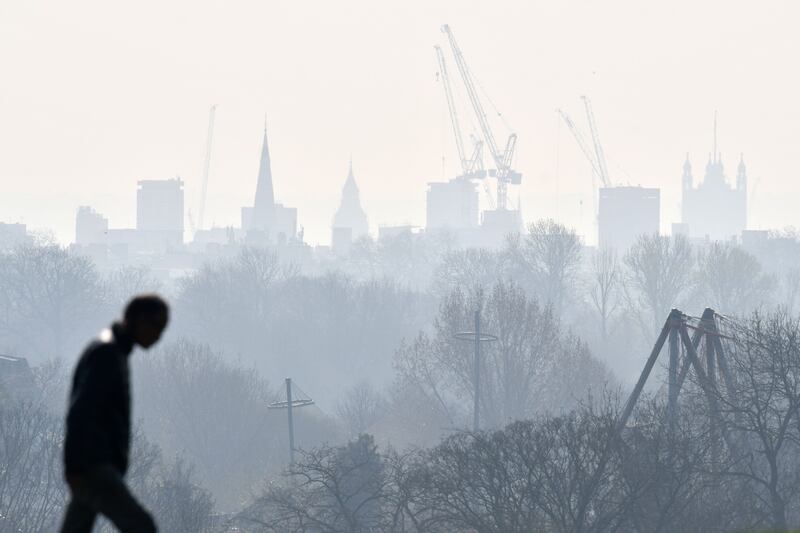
96,95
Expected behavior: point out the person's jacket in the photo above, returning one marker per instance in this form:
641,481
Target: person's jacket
99,418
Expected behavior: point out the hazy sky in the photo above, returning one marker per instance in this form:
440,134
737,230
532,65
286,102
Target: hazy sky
97,95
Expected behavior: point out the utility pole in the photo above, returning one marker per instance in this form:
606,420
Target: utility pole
291,420
476,374
289,405
477,337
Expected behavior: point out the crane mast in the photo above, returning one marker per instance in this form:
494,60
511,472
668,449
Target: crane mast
207,164
471,167
598,148
590,156
502,160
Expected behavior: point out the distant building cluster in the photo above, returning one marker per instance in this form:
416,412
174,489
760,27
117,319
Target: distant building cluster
453,207
13,235
712,209
160,230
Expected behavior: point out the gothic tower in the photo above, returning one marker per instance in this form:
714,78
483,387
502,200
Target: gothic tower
741,175
350,213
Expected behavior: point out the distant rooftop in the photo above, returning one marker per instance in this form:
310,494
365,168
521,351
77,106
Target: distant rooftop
16,379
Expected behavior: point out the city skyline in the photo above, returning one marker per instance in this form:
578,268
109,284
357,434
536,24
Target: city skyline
372,92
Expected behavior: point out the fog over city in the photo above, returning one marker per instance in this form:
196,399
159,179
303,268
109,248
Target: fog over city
97,97
430,267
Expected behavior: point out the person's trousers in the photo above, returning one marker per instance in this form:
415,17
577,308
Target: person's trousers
102,490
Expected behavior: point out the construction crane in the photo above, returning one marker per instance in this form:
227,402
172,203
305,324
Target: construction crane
502,160
207,164
594,155
598,148
472,167
587,152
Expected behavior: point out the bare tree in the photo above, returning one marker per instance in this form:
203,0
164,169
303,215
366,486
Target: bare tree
763,410
361,408
223,301
32,492
288,324
344,489
667,466
194,403
533,367
48,300
471,269
121,285
549,255
180,504
658,275
790,288
730,280
529,476
606,276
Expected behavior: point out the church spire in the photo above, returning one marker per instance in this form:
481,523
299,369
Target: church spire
265,197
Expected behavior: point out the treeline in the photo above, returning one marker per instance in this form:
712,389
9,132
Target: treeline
613,300
371,338
728,462
359,307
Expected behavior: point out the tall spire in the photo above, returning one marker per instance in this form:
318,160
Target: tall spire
687,173
741,174
716,154
265,197
350,186
350,213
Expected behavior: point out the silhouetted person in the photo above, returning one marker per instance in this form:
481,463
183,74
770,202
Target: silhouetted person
98,432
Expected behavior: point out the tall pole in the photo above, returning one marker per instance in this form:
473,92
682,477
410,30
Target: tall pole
289,405
291,420
477,373
207,165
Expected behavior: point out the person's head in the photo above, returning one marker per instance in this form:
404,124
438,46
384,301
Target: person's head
146,317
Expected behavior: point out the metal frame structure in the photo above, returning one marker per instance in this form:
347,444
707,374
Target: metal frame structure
503,172
708,371
472,167
683,356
